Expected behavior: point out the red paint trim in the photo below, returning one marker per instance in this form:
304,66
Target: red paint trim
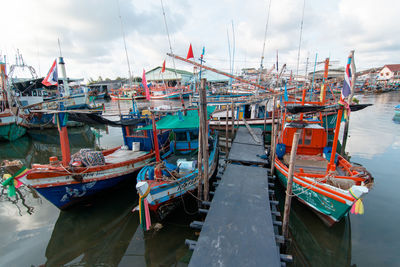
303,180
58,171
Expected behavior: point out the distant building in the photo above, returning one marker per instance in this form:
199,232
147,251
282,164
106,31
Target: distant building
106,86
250,71
368,74
390,72
170,76
318,76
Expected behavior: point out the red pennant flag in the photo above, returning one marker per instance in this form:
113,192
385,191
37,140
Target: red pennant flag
163,67
190,52
144,82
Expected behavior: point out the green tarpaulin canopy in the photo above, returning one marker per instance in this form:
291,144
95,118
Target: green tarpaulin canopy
188,121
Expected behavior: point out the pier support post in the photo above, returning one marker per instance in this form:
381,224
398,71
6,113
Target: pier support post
233,121
273,139
288,198
204,127
226,131
199,167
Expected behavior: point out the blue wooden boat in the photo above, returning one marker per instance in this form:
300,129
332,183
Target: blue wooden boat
90,172
64,185
165,183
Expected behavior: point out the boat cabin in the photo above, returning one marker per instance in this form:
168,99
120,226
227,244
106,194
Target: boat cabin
313,137
185,140
134,135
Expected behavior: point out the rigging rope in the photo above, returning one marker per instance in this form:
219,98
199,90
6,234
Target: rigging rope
301,32
265,40
126,51
169,40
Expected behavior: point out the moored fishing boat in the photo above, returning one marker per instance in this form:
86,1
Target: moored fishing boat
328,188
88,172
10,126
162,92
323,180
164,184
10,122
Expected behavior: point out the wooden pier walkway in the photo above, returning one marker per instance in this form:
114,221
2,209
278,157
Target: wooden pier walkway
240,228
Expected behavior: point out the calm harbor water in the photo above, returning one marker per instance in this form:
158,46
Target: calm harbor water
35,233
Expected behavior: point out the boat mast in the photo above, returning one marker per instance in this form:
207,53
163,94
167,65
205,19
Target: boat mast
220,72
331,165
126,51
155,138
3,84
62,117
263,50
323,88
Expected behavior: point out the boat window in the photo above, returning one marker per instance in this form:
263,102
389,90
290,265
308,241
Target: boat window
135,132
247,111
34,93
261,112
301,136
39,93
180,136
307,136
194,135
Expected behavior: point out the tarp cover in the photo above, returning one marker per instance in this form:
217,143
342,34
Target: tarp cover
188,121
98,119
294,109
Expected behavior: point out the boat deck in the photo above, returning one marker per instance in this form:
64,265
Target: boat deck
309,164
121,155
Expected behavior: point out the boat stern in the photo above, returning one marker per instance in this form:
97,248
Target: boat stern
143,189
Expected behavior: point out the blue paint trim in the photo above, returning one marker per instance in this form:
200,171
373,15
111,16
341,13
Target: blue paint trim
75,193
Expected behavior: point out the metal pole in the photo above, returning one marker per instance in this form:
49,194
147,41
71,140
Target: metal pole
273,139
155,137
226,131
288,199
233,121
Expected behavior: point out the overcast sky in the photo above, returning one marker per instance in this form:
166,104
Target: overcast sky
92,44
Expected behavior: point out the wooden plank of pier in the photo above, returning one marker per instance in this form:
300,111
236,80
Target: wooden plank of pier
238,230
245,149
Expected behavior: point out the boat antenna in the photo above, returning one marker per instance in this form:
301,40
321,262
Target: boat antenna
59,46
265,40
233,47
126,51
169,40
230,56
301,32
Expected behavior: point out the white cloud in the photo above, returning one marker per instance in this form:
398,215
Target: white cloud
92,45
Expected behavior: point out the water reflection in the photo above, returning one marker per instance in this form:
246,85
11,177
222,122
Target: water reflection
313,243
108,233
94,235
166,247
19,149
396,118
22,199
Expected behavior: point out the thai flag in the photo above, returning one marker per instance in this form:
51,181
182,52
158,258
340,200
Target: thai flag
52,76
347,80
